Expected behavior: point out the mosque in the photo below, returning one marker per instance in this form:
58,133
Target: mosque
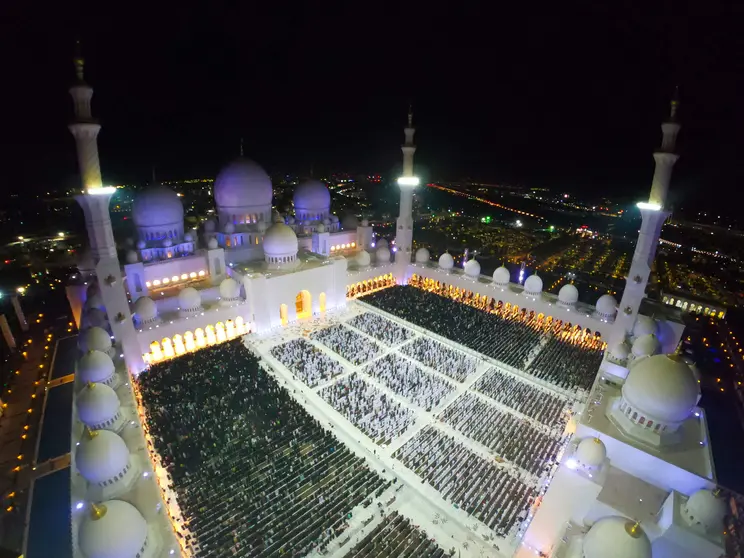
636,481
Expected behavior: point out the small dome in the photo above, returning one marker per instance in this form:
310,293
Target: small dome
320,228
210,226
291,220
261,226
501,276
645,345
606,305
472,268
422,255
229,289
662,386
568,295
141,245
242,183
229,228
132,257
189,299
280,240
157,206
382,243
95,339
101,456
327,222
145,309
644,325
115,529
704,508
95,300
616,537
362,258
533,285
620,351
311,196
349,222
188,237
446,261
212,244
334,219
97,404
365,222
590,453
382,255
97,317
95,366
167,243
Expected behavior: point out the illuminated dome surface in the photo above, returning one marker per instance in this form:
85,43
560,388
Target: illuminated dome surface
533,285
95,366
422,255
311,196
644,325
97,404
382,255
568,295
591,452
101,457
606,305
501,276
157,206
362,258
119,532
242,183
95,339
472,268
189,299
620,351
645,345
145,309
446,261
616,537
382,243
280,240
705,509
229,289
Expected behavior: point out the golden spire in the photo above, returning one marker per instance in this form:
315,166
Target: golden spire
90,385
97,511
79,62
634,529
90,433
597,440
717,493
674,105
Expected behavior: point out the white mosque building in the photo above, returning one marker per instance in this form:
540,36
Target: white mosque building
637,481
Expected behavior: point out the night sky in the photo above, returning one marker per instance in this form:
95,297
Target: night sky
568,100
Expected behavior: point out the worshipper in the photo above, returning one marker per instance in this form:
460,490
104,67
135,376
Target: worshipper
382,329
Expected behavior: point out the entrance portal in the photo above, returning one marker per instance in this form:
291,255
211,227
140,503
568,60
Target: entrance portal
303,305
283,314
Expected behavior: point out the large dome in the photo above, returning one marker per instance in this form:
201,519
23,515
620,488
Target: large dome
280,240
620,351
616,537
311,196
95,339
472,268
568,295
95,366
646,345
501,276
644,325
533,285
662,386
189,299
157,206
114,529
704,508
446,261
242,183
101,456
145,310
422,255
97,404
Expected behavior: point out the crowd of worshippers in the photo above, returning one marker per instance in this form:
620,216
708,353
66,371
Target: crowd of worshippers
369,409
520,395
307,362
407,379
509,437
441,358
396,536
352,346
516,340
252,472
382,329
486,490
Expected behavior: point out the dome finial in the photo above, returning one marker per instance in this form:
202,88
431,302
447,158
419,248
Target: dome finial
90,385
79,61
97,511
674,105
90,433
634,529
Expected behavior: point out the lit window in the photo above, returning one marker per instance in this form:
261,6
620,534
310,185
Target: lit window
184,276
353,244
174,278
202,273
156,282
192,274
333,248
148,284
166,281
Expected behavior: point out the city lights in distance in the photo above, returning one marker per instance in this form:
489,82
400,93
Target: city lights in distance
100,190
648,205
408,181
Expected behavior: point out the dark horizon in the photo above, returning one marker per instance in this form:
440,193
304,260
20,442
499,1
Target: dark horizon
569,101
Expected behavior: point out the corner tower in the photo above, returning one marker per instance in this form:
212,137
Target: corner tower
407,182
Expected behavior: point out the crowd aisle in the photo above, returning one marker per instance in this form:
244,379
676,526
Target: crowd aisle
407,379
311,365
382,329
253,473
352,346
543,347
441,358
506,435
395,536
368,408
485,490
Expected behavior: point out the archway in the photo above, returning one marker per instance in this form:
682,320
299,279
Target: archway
322,301
283,314
303,305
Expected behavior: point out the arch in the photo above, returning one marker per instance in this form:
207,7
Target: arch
283,314
322,301
211,337
303,305
201,340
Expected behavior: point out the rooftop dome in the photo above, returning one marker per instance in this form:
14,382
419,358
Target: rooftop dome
210,226
446,261
188,237
501,276
472,268
141,245
95,366
94,300
620,351
362,258
311,196
96,317
212,244
606,305
349,222
663,387
646,345
327,222
229,289
616,537
568,295
320,228
132,256
229,228
280,240
95,339
97,404
334,219
382,243
242,183
706,509
591,453
101,456
644,325
422,255
189,299
145,310
113,529
382,255
533,285
157,206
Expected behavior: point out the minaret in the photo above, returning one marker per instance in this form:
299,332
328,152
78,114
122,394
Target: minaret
654,212
94,199
407,183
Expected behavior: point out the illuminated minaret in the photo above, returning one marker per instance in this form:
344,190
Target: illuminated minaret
407,183
654,212
94,199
